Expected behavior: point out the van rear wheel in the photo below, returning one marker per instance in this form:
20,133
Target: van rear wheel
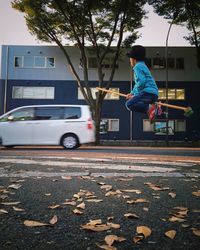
70,141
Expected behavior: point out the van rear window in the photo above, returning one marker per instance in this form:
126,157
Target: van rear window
72,113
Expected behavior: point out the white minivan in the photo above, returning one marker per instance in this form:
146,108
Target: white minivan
66,125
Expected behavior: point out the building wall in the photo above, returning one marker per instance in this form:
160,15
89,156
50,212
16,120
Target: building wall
66,91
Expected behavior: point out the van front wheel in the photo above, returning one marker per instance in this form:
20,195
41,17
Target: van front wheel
70,141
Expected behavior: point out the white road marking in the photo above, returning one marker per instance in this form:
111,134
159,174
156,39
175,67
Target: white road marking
89,165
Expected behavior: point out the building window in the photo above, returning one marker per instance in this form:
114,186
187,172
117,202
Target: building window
21,92
173,94
28,62
106,63
39,62
113,125
159,127
158,63
109,96
172,63
18,61
180,63
147,126
34,62
50,62
109,125
180,125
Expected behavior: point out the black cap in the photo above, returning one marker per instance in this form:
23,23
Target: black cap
137,52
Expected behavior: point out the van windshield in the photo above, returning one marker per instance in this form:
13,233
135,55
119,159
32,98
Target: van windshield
19,115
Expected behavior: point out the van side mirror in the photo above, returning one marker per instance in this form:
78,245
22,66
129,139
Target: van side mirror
10,118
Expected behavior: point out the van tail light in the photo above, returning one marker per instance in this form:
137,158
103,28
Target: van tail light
90,124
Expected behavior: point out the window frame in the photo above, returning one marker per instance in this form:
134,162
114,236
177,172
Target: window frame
34,65
106,63
176,90
108,97
35,95
107,122
175,126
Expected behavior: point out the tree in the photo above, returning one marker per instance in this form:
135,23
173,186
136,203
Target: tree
182,12
86,23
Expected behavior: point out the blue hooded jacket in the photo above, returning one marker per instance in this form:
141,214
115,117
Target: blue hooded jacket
144,81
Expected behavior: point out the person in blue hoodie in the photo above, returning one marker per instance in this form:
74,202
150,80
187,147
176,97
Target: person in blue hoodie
145,91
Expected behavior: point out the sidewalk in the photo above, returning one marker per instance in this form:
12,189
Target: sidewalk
148,143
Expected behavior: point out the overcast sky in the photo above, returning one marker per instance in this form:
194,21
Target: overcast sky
13,29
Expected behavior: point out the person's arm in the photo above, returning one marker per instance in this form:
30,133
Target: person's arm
140,77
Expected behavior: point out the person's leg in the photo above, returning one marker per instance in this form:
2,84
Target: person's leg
140,103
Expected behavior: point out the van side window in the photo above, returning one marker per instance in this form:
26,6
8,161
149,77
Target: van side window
72,113
25,114
46,113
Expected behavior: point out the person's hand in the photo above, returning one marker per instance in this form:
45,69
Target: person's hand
129,96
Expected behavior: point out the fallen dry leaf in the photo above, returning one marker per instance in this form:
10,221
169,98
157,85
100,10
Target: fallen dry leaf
77,211
112,193
170,234
156,187
173,195
15,186
94,222
81,205
3,211
96,228
137,201
185,225
32,223
196,193
10,203
131,216
126,196
94,200
132,191
196,231
53,220
54,206
101,183
138,238
18,209
176,219
146,231
106,247
110,239
113,225
106,187
71,203
66,177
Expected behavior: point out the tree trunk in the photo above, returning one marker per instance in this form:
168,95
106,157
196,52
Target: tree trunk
97,119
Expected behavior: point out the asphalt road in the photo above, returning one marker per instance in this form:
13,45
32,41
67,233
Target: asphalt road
159,186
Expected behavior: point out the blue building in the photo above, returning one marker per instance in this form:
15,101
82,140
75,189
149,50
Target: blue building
40,75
